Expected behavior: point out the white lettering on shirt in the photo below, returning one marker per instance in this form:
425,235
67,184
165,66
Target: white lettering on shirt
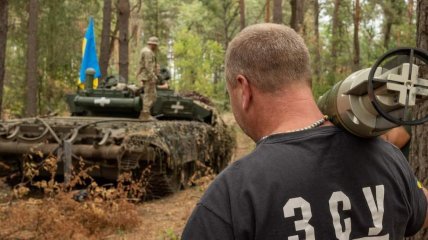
376,207
336,197
302,224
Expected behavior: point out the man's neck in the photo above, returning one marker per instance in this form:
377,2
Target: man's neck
287,112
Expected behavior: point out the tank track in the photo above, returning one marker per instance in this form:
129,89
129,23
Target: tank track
160,185
128,164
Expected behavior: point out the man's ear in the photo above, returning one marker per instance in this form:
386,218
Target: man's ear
246,93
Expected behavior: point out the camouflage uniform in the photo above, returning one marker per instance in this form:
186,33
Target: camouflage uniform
147,75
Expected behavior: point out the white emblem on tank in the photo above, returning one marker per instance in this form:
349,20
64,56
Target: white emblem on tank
177,107
102,101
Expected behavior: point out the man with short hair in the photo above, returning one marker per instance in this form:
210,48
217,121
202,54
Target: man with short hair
147,76
306,179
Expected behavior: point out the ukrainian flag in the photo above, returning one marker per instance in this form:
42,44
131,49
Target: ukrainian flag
89,55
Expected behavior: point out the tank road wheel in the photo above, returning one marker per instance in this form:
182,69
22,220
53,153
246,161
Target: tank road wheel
180,179
174,180
186,173
161,185
162,182
170,181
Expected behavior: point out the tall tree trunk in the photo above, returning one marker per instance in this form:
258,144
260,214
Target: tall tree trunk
419,148
105,39
389,15
123,15
356,64
229,13
32,83
387,33
3,40
277,11
410,6
157,18
113,38
335,37
267,15
242,13
318,63
297,14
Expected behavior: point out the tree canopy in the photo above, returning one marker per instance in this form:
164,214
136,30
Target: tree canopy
193,35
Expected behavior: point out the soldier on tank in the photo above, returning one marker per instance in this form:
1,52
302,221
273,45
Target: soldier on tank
147,75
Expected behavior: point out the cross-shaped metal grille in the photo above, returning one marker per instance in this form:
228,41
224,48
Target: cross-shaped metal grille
407,84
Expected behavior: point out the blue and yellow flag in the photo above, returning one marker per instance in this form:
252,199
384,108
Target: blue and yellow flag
89,55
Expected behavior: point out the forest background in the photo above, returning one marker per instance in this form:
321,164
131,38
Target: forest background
41,45
44,41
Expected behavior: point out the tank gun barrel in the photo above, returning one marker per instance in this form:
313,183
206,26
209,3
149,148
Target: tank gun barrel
85,151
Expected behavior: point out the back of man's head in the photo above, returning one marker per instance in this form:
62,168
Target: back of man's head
269,55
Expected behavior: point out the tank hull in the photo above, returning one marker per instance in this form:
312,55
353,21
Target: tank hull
171,149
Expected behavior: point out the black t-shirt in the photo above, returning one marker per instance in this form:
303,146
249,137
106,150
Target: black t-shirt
322,183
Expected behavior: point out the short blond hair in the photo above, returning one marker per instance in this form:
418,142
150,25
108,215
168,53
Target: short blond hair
269,56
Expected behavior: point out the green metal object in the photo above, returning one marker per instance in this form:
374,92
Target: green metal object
371,101
89,79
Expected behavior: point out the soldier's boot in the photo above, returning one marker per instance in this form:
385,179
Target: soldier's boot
145,116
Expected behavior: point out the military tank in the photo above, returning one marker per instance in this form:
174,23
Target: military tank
104,130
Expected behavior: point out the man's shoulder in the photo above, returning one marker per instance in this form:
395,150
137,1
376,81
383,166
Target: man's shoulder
146,51
235,175
232,175
244,164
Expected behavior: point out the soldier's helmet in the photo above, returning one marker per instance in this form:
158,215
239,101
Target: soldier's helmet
153,40
113,80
